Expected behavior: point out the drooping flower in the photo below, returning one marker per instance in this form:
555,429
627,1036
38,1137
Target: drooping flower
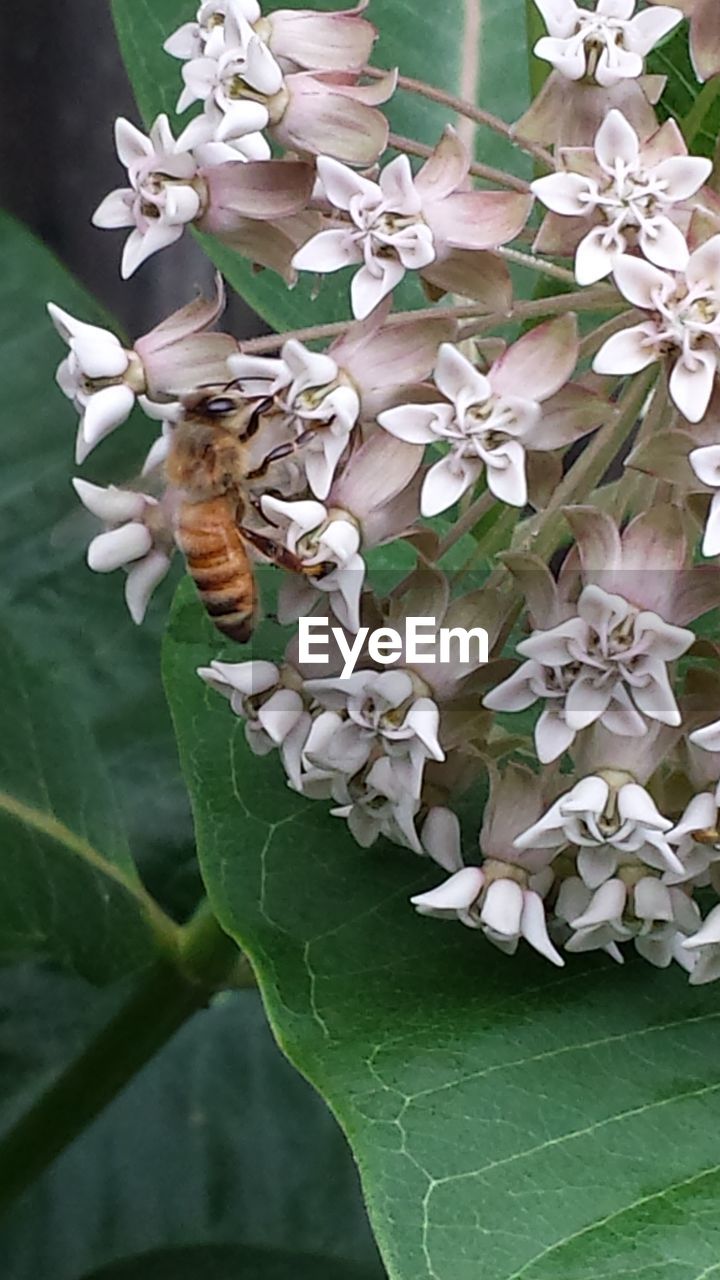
620,195
490,420
206,35
256,693
103,379
696,837
704,35
403,223
683,323
327,543
607,44
138,538
632,905
170,188
704,947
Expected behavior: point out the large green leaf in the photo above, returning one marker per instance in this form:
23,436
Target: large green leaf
73,622
509,1121
474,47
218,1142
70,890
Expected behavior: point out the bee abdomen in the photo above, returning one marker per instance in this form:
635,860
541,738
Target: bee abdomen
217,559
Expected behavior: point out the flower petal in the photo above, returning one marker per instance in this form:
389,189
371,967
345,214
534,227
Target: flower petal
569,194
691,385
108,551
640,281
626,352
142,580
445,482
616,140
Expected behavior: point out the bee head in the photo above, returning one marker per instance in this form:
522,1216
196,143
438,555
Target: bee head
214,403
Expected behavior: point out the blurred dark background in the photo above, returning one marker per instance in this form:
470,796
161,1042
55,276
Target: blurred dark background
63,84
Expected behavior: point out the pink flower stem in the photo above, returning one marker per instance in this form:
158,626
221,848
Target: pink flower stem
470,111
412,148
584,300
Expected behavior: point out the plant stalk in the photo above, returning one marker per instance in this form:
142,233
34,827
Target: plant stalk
477,170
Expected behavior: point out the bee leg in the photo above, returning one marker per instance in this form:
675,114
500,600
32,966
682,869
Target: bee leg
282,557
283,451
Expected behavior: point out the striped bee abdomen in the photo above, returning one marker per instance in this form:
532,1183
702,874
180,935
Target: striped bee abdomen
217,559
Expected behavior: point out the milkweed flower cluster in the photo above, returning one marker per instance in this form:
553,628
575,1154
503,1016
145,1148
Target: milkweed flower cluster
474,427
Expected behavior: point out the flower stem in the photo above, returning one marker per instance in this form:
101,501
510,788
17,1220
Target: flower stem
467,522
600,299
464,108
165,996
413,148
532,263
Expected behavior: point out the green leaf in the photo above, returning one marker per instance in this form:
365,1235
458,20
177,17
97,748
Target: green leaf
70,889
228,1262
682,92
508,1120
218,1142
477,48
73,622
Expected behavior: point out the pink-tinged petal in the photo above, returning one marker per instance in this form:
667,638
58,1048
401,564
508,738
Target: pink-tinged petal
397,187
515,693
571,413
705,463
646,29
455,376
616,140
114,506
446,169
263,189
683,175
708,737
711,537
505,471
533,927
116,210
414,422
553,735
111,550
130,144
441,839
484,277
446,482
334,120
342,185
596,256
627,352
704,265
479,219
560,16
622,9
705,39
142,580
568,57
567,194
456,894
608,903
104,411
691,384
540,362
367,290
640,282
138,247
320,41
328,251
664,244
554,648
502,909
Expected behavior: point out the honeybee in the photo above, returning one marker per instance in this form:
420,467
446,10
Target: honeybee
219,458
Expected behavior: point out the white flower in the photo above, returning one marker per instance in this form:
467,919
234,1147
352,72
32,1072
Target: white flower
484,430
638,907
256,693
697,838
321,402
137,538
684,320
381,710
611,819
607,45
231,78
381,805
206,35
705,462
708,737
504,908
608,663
327,543
99,376
168,415
164,193
632,195
704,947
386,232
